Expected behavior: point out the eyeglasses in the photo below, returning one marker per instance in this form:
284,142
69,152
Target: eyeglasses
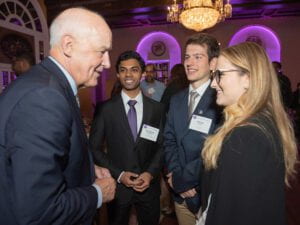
216,74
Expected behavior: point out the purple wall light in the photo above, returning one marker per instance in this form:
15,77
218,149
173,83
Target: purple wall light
263,36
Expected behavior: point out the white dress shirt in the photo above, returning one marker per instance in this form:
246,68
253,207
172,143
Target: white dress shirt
138,107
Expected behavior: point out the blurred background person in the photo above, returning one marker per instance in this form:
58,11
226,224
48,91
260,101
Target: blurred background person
296,97
178,81
284,85
252,156
151,87
22,63
296,108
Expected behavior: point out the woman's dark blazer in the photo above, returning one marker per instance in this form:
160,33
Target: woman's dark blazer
247,188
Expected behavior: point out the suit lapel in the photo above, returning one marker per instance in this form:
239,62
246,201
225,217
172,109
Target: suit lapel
58,74
205,101
183,120
147,112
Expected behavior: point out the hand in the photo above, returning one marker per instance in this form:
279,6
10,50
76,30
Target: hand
169,180
108,188
128,179
143,182
189,193
101,172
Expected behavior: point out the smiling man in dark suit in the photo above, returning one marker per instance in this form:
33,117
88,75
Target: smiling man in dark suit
47,174
131,126
192,116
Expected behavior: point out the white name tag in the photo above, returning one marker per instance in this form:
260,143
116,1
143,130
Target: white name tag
149,133
200,123
151,91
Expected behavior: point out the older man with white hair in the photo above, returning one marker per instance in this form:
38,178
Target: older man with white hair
47,175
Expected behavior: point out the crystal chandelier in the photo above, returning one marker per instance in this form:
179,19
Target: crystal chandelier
199,14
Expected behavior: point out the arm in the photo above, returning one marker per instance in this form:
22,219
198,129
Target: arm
38,137
171,157
96,143
183,178
189,177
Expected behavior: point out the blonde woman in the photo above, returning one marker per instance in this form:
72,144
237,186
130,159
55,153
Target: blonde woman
251,158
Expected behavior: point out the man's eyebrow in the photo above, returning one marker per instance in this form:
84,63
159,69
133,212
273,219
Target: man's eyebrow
126,67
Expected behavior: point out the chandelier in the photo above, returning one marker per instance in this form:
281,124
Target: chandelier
199,14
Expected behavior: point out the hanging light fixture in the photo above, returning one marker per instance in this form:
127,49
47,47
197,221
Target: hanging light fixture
199,14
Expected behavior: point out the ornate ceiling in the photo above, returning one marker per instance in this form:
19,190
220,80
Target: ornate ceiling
131,13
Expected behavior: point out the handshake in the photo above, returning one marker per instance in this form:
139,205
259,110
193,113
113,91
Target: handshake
106,183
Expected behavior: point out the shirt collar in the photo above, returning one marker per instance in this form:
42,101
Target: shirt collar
200,90
67,75
126,98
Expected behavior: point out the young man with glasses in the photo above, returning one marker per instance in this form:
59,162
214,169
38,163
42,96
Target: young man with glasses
192,116
131,125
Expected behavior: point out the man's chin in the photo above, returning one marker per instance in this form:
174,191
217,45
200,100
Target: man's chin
89,84
131,87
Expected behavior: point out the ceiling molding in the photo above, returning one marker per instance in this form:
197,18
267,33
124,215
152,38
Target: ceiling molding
132,13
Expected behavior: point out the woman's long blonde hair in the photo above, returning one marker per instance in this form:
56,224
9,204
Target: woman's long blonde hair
262,96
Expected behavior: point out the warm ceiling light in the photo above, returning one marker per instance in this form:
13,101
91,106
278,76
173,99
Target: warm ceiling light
199,14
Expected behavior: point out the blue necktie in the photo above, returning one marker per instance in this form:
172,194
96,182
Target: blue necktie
132,118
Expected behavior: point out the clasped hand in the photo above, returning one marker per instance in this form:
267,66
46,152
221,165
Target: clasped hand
138,182
106,183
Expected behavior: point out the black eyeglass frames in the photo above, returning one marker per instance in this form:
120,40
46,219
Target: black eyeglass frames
216,74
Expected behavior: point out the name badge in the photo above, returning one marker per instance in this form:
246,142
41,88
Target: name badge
151,91
200,123
149,133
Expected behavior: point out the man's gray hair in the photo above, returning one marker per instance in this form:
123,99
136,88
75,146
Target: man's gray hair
70,22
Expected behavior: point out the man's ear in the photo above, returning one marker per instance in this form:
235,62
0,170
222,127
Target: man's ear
213,63
67,44
118,76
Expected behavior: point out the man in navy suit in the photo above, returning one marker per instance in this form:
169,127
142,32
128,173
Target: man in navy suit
47,175
130,124
192,116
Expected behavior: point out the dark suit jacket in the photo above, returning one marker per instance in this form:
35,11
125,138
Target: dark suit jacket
248,185
182,146
45,168
123,154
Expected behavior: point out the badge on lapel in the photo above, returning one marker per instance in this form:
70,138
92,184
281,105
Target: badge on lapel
200,123
150,133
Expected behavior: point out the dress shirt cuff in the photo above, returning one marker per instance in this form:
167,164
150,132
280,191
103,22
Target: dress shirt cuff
99,193
119,178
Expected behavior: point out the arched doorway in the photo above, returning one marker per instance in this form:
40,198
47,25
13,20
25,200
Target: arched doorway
23,28
161,49
263,36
